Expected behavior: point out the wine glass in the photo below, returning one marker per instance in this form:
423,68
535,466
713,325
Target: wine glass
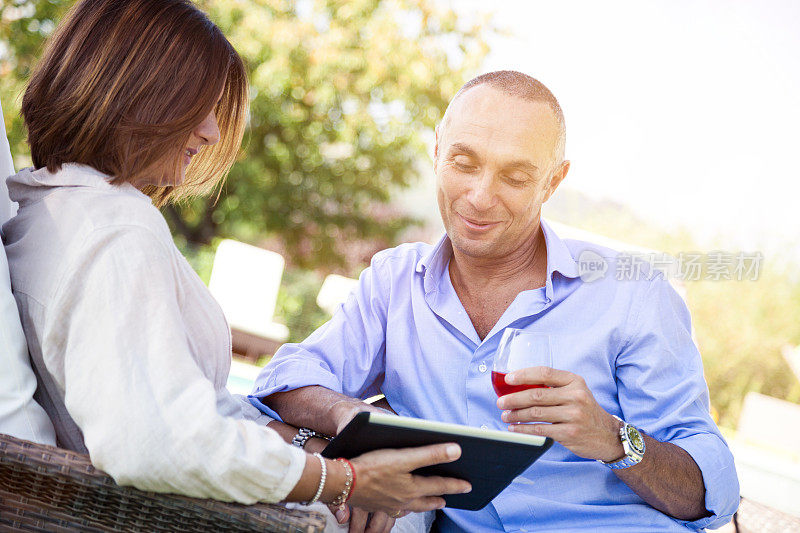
519,349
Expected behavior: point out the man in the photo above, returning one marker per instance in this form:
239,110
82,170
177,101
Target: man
424,323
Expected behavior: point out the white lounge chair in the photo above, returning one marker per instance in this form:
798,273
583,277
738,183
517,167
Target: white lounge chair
245,281
334,291
767,452
792,356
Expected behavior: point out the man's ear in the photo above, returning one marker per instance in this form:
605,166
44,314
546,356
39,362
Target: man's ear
558,176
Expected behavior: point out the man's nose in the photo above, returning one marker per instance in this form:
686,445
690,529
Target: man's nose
482,194
208,130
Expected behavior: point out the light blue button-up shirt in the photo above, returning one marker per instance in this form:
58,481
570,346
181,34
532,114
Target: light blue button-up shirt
405,333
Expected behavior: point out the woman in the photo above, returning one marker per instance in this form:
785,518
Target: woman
136,102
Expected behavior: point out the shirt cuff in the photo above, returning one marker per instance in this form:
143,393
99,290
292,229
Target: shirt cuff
252,412
255,401
300,374
293,473
715,461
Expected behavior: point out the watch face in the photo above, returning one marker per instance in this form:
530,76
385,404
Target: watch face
635,438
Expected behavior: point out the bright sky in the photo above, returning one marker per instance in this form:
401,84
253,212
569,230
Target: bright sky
686,111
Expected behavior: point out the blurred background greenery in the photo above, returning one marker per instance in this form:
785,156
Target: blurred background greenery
344,97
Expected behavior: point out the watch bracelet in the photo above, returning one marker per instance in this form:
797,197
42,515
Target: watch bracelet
303,435
628,459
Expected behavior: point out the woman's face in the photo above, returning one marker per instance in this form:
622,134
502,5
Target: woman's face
205,134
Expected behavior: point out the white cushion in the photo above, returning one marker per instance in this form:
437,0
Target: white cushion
335,291
245,281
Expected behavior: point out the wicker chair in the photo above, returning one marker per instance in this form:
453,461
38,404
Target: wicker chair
43,488
753,517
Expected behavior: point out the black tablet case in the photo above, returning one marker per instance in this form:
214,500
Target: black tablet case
489,464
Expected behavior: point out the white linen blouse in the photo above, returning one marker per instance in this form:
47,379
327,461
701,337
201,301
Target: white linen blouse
137,347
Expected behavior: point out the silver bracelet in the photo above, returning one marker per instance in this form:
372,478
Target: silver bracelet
322,478
302,437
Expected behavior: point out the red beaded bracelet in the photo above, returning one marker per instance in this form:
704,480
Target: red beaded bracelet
353,486
349,483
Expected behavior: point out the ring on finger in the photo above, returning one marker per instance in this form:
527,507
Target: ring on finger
397,514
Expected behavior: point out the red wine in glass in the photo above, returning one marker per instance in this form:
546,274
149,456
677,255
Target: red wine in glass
519,349
502,388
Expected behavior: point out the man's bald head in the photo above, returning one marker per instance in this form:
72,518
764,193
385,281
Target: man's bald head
521,86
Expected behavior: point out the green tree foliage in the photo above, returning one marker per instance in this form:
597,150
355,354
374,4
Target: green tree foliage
24,25
341,93
741,328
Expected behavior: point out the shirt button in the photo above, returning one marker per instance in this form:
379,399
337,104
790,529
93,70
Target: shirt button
484,426
483,367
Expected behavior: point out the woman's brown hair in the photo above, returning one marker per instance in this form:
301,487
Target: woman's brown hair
123,84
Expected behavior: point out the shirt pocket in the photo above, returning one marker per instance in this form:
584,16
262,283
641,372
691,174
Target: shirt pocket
514,505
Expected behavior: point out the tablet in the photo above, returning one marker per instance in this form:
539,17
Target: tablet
490,459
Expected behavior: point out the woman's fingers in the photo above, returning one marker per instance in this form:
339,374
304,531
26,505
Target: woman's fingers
377,523
436,485
342,513
385,482
412,458
358,520
429,503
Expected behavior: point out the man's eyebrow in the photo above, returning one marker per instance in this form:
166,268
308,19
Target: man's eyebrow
520,164
523,165
462,148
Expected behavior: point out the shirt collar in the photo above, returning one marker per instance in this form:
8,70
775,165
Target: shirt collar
559,259
30,185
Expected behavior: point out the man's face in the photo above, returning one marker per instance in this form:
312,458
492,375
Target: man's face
495,166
